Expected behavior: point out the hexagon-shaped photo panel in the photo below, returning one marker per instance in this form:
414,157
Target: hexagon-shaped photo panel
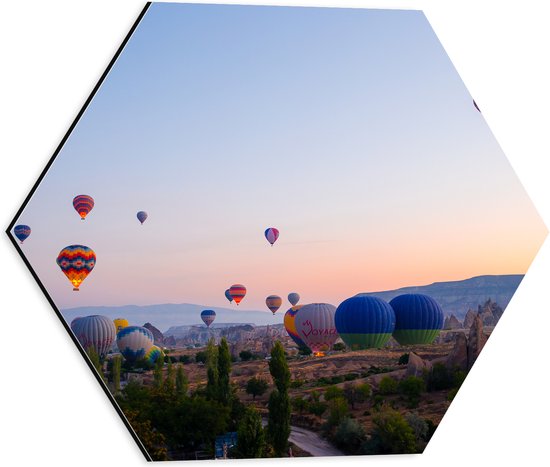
279,231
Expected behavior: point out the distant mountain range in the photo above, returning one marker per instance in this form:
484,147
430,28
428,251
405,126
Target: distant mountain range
457,297
167,315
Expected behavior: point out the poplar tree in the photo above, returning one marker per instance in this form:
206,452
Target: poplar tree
278,425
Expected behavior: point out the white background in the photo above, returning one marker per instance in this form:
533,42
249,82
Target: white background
52,410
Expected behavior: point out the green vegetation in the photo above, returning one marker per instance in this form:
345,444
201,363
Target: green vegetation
349,436
387,385
250,435
278,426
392,435
247,355
412,387
200,357
403,359
256,387
441,378
182,382
115,372
339,346
333,392
356,393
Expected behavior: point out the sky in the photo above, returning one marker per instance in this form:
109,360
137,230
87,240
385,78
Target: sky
348,130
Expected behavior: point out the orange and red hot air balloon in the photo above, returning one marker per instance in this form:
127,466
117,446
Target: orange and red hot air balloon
237,292
273,302
83,204
76,262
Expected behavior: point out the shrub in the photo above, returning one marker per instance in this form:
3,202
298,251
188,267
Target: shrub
392,435
404,359
338,410
412,387
299,404
296,383
200,357
387,385
339,346
349,436
185,359
256,387
246,355
332,392
317,408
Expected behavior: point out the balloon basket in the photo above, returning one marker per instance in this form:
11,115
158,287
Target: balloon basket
76,290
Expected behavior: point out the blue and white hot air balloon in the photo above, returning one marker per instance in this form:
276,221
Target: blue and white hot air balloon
134,342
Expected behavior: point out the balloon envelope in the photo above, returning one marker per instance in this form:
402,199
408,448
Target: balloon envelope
364,322
94,331
418,319
153,354
315,326
293,298
76,262
271,234
290,325
142,215
273,302
208,316
134,342
83,204
228,295
22,232
120,323
237,292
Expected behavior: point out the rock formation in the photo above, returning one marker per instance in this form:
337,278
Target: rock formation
451,322
469,319
476,341
159,338
416,366
459,354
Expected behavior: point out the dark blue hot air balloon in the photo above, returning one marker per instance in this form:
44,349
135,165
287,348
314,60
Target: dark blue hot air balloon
141,215
22,232
364,321
418,319
208,316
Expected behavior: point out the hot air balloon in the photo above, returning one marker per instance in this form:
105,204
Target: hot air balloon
273,302
293,298
83,205
22,232
134,342
237,292
364,321
153,354
208,316
120,323
76,262
290,325
141,215
315,326
228,295
272,234
418,319
94,331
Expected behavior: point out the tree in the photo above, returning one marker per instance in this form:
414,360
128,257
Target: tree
299,404
392,435
338,410
200,357
250,435
153,441
169,381
212,370
278,425
412,387
332,392
157,373
403,359
339,346
115,372
256,387
246,355
224,370
387,385
182,383
349,436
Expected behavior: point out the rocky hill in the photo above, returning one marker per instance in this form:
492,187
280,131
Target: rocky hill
457,297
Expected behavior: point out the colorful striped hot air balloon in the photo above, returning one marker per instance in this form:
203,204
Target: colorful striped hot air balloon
83,205
315,326
271,234
120,323
364,322
22,232
273,302
208,316
141,215
94,331
237,292
228,295
293,298
76,262
290,325
153,354
134,342
418,319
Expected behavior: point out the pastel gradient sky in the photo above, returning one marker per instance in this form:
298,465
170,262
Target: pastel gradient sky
348,130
